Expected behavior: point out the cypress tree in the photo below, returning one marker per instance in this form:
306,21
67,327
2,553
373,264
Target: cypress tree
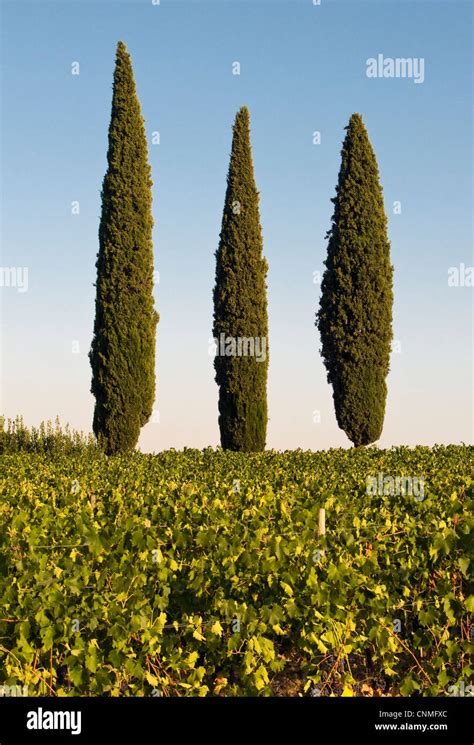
355,313
240,304
122,355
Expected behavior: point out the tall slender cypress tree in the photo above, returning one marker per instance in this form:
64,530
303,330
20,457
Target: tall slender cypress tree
355,314
123,348
240,304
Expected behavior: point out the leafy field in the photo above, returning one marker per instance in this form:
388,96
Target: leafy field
201,573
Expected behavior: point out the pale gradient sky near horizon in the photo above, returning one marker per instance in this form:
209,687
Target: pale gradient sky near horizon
303,68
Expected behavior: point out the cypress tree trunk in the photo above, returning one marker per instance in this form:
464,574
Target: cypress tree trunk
122,355
240,305
355,314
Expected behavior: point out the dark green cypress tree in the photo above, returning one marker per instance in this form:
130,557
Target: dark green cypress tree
123,348
240,304
355,314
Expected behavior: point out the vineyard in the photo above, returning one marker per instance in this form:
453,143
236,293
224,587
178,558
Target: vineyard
201,573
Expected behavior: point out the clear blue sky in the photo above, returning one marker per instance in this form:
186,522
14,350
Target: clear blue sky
303,68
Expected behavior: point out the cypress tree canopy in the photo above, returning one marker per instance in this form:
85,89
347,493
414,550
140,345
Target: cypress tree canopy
355,314
240,304
123,348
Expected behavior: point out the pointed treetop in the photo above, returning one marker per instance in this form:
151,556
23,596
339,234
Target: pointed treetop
356,126
243,112
122,58
358,155
356,118
242,119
